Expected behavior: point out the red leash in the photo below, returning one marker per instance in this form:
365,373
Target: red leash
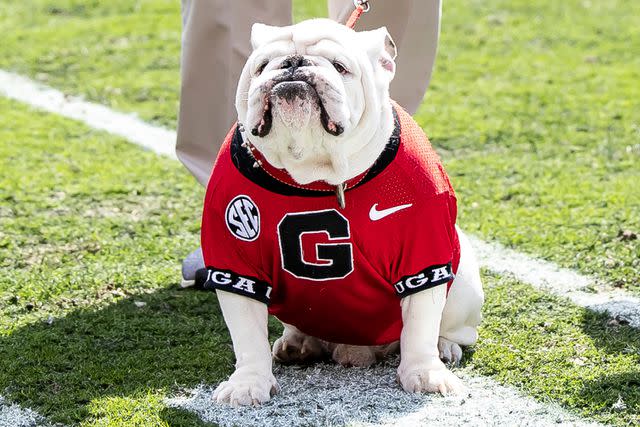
362,6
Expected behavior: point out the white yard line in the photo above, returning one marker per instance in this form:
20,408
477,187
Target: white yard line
97,116
582,290
327,393
12,415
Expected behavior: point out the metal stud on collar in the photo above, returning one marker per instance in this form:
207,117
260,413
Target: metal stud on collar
340,194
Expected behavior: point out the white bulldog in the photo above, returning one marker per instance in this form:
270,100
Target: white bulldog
313,100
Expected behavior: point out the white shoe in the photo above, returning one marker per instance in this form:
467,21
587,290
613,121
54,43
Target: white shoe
194,272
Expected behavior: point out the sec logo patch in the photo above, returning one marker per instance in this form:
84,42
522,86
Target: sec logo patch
243,218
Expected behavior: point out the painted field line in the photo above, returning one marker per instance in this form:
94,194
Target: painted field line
12,415
329,395
96,116
582,290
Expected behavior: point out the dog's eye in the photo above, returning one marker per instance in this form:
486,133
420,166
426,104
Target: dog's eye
340,68
261,68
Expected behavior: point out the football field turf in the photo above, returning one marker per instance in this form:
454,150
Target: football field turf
535,111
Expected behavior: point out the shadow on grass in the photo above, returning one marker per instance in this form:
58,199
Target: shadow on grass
177,339
614,392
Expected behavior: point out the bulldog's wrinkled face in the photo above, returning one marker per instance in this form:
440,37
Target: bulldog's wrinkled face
314,98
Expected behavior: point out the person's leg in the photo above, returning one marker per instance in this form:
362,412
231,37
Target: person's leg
414,26
417,55
215,46
205,105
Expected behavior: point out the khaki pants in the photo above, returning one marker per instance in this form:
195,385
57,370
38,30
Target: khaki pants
215,46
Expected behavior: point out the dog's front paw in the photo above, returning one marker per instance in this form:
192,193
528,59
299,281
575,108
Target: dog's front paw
428,377
297,348
246,388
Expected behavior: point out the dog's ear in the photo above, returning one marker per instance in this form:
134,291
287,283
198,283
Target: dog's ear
381,48
262,34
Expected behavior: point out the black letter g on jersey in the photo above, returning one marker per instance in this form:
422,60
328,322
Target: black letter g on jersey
339,255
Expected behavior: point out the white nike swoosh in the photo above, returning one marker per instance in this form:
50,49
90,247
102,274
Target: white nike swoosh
375,214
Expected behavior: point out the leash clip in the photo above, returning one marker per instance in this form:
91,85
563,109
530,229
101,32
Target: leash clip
364,4
361,6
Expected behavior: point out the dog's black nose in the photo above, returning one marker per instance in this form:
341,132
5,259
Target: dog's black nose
294,61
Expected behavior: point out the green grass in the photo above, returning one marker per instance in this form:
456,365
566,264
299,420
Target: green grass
536,109
534,106
122,53
556,351
91,225
73,201
88,225
119,53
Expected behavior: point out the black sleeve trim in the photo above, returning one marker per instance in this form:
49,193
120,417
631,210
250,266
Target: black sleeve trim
228,281
428,278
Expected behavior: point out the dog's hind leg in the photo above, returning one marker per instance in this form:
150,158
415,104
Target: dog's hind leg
353,355
462,311
295,346
361,356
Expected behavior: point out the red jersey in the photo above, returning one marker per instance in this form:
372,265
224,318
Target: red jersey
336,274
